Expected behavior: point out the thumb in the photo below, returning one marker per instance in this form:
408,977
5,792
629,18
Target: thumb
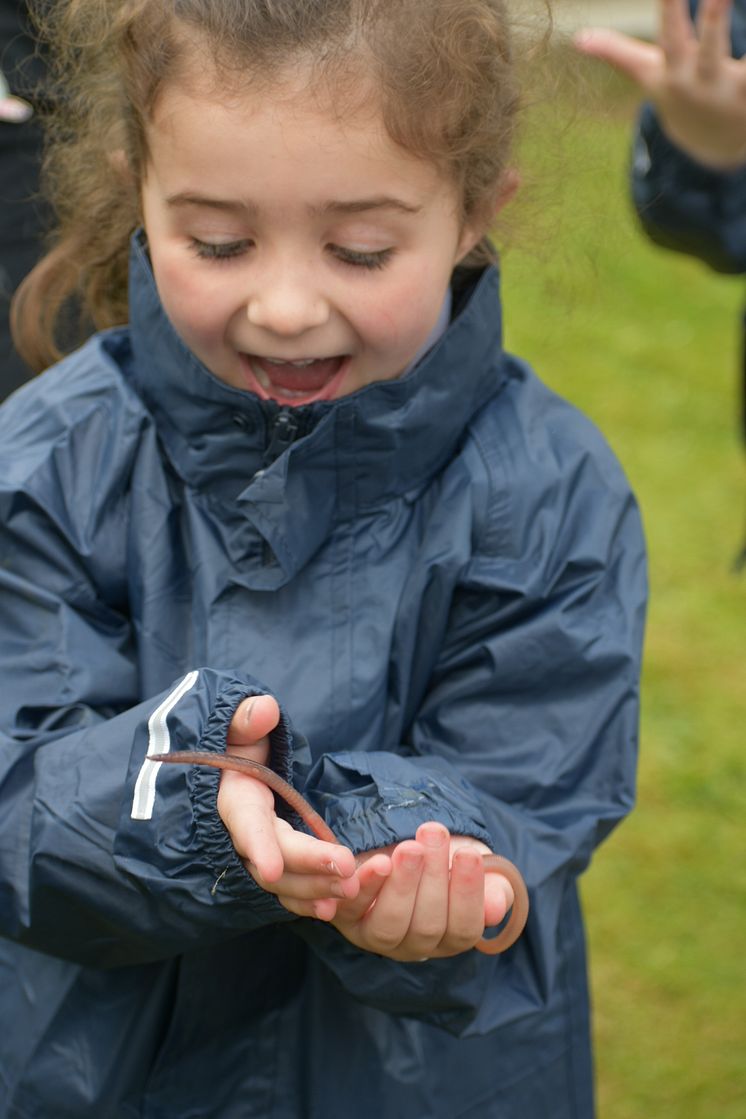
253,719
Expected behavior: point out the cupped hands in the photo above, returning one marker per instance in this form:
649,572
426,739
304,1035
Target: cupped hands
426,897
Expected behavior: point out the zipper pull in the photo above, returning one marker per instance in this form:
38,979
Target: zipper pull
284,432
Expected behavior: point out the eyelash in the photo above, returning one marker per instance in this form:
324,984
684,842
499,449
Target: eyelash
222,252
206,250
371,261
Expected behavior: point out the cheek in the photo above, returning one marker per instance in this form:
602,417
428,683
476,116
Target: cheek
174,281
193,306
400,318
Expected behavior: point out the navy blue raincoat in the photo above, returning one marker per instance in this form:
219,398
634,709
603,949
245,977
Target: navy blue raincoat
442,580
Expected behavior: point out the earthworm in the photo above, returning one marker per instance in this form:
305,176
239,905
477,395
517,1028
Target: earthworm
490,946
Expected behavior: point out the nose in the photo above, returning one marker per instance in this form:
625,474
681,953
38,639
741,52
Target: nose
287,302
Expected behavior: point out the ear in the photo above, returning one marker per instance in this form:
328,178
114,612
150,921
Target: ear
121,165
476,229
509,184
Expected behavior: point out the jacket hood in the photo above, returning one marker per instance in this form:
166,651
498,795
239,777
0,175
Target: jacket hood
341,456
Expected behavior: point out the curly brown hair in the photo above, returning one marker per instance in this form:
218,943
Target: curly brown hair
443,71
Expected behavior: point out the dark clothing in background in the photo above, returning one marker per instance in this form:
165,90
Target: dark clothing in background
21,214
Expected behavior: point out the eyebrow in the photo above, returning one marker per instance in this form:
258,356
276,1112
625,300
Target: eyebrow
354,206
362,205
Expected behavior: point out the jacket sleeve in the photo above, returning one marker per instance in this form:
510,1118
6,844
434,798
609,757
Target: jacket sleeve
105,859
681,204
527,732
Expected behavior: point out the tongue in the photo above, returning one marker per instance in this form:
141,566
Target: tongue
306,378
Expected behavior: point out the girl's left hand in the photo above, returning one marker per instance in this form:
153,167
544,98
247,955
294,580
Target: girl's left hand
697,87
425,898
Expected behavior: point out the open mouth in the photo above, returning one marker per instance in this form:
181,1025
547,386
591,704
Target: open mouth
294,382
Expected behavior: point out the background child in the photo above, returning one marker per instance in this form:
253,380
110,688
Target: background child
304,472
689,167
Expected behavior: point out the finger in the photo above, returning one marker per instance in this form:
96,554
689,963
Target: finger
311,887
465,902
323,909
304,854
387,923
247,810
498,898
253,720
676,31
641,62
430,916
713,26
14,110
371,877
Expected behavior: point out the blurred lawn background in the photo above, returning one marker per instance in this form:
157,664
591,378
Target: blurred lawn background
647,343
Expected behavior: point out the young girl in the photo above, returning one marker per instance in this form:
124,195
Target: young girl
306,474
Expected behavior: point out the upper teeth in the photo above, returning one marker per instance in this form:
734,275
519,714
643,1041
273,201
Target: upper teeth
298,364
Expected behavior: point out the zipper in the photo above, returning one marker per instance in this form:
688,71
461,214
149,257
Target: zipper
282,434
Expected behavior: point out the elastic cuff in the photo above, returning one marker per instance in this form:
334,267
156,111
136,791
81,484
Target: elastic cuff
230,874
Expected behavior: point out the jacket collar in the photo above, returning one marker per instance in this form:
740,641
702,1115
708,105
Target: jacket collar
382,441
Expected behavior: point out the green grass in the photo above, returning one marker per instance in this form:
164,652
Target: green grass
647,343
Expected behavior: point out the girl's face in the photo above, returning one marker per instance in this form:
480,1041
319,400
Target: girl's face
298,256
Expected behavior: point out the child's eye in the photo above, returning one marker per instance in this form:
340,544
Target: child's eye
361,259
220,250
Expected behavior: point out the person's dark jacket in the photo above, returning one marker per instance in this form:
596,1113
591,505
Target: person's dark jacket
442,579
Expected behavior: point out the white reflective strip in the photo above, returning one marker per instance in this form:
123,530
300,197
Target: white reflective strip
159,742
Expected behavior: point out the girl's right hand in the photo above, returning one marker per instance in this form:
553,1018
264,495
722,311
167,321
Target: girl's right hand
307,875
697,87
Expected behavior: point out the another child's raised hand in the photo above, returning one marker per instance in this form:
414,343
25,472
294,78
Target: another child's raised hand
697,87
305,873
425,898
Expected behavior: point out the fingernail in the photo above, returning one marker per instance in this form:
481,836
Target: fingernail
332,868
380,872
249,709
432,837
412,861
468,860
